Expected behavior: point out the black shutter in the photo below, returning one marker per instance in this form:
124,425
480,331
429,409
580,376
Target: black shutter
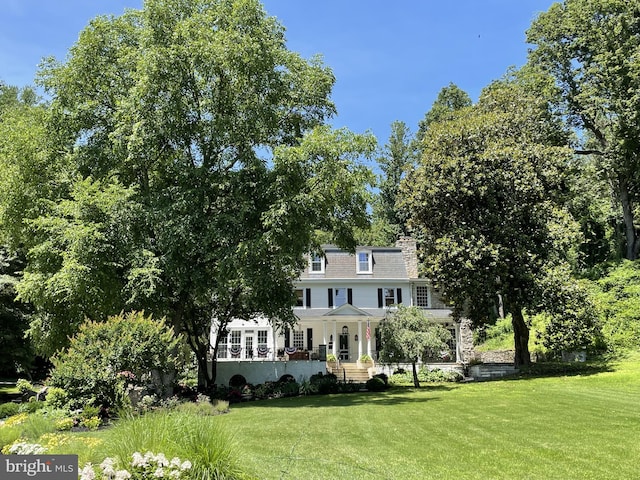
350,296
399,295
309,339
380,299
287,342
308,295
330,297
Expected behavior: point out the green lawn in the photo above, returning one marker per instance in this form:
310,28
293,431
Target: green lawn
578,427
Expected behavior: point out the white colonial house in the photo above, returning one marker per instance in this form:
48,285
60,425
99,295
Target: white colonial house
341,299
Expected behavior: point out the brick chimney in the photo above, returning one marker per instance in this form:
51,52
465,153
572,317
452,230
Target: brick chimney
409,255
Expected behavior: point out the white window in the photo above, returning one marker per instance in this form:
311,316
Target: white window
222,347
364,262
298,339
422,296
262,337
389,297
235,348
248,345
316,264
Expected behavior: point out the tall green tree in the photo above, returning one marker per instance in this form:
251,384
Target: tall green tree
408,334
397,157
449,100
591,49
199,169
485,203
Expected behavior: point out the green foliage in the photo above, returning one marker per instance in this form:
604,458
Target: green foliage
102,357
573,319
92,423
24,386
17,354
375,384
31,406
57,397
407,333
426,375
8,409
200,439
64,424
589,48
486,202
181,167
617,297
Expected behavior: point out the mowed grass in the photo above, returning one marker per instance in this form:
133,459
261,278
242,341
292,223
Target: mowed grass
568,427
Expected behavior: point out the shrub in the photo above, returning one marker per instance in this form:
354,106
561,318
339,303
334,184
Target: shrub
375,384
31,406
8,409
57,397
24,386
103,357
64,424
91,423
383,377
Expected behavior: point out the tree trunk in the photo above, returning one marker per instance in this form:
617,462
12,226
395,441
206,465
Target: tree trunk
631,237
416,382
520,337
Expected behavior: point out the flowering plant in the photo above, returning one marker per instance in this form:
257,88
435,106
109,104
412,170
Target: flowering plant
143,467
24,448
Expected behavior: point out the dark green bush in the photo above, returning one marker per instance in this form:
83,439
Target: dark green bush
375,384
8,409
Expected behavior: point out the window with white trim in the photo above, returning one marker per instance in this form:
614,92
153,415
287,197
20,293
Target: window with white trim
422,296
222,347
235,348
316,264
339,296
389,297
299,297
298,339
363,259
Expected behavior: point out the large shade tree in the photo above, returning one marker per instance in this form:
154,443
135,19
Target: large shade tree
198,168
591,49
484,202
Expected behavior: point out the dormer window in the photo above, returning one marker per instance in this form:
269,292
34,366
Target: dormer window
363,259
316,264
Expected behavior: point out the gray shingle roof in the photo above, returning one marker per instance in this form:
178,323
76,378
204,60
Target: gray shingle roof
388,262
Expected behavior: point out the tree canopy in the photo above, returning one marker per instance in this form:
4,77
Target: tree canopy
590,48
194,166
408,334
481,203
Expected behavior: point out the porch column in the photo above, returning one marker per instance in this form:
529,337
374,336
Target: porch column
274,345
359,339
324,332
457,333
369,340
334,350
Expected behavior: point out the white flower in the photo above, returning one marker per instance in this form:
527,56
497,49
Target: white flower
174,474
161,460
107,462
138,460
186,465
122,475
87,473
175,462
159,473
108,471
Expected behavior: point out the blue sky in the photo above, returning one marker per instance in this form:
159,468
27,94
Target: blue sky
390,58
